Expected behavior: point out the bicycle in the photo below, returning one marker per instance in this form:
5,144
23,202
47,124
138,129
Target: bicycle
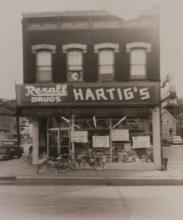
94,161
60,163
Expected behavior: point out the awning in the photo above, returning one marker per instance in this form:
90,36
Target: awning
86,112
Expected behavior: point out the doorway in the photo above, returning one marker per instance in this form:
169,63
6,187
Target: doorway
58,141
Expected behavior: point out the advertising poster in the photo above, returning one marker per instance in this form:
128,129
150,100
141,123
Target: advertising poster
79,136
120,135
141,142
101,141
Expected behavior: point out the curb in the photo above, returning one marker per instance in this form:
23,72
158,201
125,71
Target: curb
7,180
107,181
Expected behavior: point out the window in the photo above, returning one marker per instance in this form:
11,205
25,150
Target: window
106,61
75,65
138,59
43,66
106,56
74,61
43,61
138,63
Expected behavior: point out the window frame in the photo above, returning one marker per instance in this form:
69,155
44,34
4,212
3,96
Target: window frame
79,48
102,75
130,48
70,70
136,76
106,46
36,49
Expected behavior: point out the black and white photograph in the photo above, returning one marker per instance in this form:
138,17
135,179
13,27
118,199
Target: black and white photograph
91,110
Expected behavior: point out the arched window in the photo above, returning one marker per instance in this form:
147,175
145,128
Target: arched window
138,63
74,61
106,60
138,59
44,66
43,61
75,65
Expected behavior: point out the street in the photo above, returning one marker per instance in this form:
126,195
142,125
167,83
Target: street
91,202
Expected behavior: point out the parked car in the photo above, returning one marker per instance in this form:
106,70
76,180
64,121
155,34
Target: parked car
9,149
177,140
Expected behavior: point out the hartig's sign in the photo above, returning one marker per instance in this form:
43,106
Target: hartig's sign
112,94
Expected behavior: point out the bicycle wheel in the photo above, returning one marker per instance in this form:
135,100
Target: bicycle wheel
63,166
42,167
82,164
74,165
99,165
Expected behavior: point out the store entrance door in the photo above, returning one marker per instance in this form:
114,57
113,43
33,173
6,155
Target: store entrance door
58,141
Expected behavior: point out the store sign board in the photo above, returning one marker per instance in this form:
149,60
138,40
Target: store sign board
43,93
100,141
66,94
113,94
79,136
141,142
120,135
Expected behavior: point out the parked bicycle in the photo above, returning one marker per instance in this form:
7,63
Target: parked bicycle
75,162
93,160
60,163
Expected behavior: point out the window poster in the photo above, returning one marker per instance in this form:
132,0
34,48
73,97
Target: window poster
141,142
120,135
79,136
100,141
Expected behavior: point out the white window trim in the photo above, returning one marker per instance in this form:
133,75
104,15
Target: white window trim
106,46
37,47
43,47
67,47
134,45
112,46
138,45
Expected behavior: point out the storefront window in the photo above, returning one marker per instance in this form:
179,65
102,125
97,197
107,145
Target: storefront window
59,122
92,123
132,141
121,139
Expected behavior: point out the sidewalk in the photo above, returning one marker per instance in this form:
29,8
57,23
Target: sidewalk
20,171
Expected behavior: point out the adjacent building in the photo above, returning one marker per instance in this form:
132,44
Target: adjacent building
7,119
169,126
92,81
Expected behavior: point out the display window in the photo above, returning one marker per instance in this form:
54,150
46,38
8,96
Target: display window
120,139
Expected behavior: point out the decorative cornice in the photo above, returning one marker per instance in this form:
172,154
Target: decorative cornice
113,46
67,47
37,47
134,45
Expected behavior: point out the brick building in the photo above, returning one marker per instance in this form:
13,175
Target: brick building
92,80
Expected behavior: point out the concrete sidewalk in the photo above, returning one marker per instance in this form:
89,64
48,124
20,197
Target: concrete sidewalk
20,171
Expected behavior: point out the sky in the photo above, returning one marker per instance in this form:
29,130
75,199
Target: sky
11,66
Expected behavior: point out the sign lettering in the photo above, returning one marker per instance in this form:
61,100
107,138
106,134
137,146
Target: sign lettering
49,94
66,94
111,94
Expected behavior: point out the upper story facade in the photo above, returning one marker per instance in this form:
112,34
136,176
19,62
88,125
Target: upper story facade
91,49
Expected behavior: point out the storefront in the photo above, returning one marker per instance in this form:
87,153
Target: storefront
121,122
